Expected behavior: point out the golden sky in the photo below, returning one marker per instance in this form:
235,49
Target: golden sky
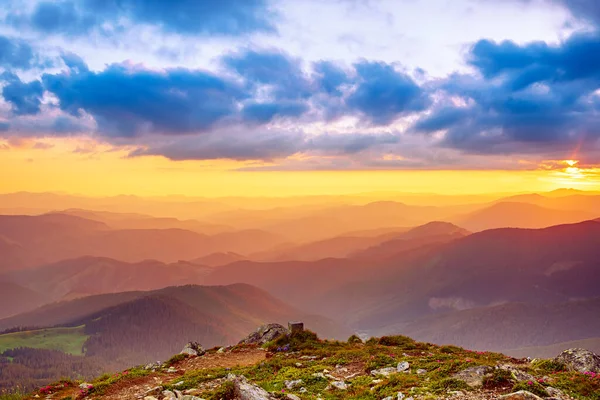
84,167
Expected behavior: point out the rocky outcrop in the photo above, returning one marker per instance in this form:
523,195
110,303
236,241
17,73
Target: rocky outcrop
264,334
244,390
473,376
579,360
193,349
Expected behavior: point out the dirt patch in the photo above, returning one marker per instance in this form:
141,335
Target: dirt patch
240,358
132,389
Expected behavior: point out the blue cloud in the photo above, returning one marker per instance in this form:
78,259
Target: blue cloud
62,17
383,94
330,77
273,68
265,112
577,58
529,98
15,53
441,119
190,17
25,98
128,103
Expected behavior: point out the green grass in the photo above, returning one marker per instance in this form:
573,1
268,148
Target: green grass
12,396
68,340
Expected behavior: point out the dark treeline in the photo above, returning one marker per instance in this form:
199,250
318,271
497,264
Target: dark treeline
145,330
27,369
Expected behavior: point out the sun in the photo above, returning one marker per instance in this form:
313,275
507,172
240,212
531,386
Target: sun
571,163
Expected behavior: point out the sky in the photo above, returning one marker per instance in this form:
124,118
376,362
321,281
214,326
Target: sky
286,97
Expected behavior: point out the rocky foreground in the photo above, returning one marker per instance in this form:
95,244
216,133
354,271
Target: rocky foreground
274,363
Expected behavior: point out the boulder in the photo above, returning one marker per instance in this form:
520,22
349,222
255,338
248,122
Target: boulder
244,390
340,385
556,393
265,333
403,366
292,384
193,349
473,376
520,395
579,360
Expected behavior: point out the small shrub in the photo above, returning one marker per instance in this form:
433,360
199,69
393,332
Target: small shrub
401,341
372,341
224,392
547,366
531,386
451,350
354,339
297,341
500,377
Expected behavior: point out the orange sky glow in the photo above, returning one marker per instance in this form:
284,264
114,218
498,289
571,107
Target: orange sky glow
85,167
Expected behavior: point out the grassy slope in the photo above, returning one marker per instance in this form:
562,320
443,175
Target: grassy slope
68,340
307,357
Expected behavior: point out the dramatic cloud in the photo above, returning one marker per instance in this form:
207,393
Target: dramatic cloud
275,69
384,94
25,98
194,17
16,53
128,102
529,98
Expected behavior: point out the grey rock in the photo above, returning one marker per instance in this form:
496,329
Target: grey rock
384,371
340,385
291,396
421,371
190,397
264,334
303,390
193,349
473,376
520,395
388,398
292,384
403,366
155,365
221,350
244,390
557,393
150,398
579,360
167,394
85,386
155,390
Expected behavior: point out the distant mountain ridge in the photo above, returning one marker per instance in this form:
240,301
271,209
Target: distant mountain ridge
138,327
